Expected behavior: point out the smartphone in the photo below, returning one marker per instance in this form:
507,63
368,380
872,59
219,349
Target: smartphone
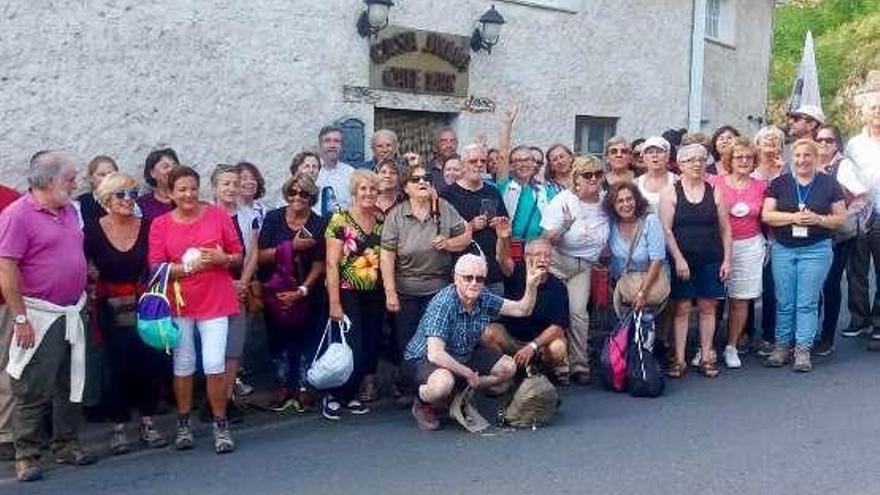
305,234
488,208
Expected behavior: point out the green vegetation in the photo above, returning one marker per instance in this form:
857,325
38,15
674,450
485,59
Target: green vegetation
847,41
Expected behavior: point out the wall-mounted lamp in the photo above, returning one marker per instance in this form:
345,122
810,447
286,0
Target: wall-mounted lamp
375,18
488,31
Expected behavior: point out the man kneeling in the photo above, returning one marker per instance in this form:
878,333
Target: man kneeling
538,338
445,347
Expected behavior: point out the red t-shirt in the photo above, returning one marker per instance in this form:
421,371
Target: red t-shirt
209,293
7,196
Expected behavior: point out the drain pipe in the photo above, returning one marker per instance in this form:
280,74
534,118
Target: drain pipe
698,43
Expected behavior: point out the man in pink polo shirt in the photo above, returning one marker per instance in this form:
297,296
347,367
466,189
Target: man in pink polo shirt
42,266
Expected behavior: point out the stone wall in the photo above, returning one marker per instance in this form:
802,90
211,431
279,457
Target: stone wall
227,80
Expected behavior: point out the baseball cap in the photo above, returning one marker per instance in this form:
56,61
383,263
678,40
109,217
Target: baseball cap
655,142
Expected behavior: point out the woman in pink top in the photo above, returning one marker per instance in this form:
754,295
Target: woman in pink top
201,244
744,196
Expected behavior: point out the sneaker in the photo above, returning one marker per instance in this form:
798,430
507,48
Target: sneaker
355,406
183,437
74,456
424,415
330,408
698,358
851,332
802,361
764,348
780,356
119,441
241,388
28,470
223,443
823,349
306,398
151,438
731,357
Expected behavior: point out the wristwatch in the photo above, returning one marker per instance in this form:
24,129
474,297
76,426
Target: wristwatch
20,319
304,290
534,345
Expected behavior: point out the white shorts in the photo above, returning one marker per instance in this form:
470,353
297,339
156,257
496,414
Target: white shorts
212,334
747,268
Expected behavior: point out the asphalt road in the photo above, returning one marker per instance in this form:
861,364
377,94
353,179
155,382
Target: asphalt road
755,430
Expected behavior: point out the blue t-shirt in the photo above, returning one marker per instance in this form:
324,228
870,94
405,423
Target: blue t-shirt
651,246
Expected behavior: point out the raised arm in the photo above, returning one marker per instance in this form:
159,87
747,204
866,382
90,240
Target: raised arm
524,306
503,170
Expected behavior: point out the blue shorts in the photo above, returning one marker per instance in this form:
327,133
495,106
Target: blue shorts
704,282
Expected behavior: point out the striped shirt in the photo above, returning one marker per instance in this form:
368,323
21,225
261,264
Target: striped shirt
446,319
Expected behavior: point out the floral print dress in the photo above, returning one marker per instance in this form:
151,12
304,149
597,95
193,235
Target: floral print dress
359,265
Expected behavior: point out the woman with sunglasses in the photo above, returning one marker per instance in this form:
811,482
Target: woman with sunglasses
419,238
116,245
577,226
697,228
299,226
619,160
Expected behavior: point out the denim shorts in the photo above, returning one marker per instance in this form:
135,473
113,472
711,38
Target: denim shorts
704,282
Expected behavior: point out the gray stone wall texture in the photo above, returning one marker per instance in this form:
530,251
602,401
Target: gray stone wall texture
224,80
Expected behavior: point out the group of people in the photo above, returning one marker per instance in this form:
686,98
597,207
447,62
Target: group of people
477,264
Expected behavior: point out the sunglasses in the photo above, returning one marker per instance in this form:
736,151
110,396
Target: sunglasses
301,194
827,140
131,194
597,175
480,279
415,179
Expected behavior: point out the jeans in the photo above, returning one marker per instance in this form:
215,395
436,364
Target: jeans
831,292
799,273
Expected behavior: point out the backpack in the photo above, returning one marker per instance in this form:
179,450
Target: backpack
533,403
613,360
154,323
334,366
284,280
644,378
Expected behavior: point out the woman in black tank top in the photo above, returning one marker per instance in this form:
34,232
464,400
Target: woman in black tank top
699,242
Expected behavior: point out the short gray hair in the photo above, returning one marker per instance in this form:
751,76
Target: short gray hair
471,148
391,135
44,167
470,260
769,130
691,149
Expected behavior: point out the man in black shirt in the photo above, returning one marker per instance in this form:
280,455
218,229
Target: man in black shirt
480,204
540,335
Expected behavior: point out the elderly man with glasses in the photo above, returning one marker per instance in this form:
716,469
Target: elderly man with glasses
446,347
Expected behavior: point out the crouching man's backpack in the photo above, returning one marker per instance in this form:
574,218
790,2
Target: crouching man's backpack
533,404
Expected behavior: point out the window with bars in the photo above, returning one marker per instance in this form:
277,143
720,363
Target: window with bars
591,133
713,18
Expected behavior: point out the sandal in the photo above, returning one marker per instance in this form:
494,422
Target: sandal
708,368
676,370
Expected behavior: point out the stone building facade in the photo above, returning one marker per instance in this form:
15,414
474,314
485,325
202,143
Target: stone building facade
224,80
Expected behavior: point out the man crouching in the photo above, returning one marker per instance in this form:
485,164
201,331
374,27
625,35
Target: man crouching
445,347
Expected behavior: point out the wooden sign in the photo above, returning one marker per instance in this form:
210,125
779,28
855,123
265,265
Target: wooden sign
416,61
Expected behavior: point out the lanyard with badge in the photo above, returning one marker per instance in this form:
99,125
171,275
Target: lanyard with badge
803,194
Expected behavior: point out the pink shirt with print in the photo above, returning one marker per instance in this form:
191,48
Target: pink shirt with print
744,206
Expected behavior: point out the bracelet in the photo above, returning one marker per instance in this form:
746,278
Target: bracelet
304,290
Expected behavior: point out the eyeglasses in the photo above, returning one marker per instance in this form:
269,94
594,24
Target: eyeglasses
743,158
597,175
695,160
827,140
415,179
480,279
618,151
539,163
294,193
131,194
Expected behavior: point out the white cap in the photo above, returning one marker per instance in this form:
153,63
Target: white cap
811,111
655,142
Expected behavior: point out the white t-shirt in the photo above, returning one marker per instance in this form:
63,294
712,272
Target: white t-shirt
333,183
588,234
653,197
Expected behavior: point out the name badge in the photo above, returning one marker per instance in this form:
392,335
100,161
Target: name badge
799,231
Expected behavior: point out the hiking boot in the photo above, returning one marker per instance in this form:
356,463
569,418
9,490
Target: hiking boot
331,408
731,358
369,389
223,443
183,437
74,456
151,438
764,348
424,415
355,406
823,349
241,388
802,361
28,470
780,356
118,441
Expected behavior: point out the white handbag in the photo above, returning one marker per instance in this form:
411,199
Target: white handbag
334,366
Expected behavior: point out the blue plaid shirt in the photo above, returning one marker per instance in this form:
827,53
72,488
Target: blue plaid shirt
446,319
